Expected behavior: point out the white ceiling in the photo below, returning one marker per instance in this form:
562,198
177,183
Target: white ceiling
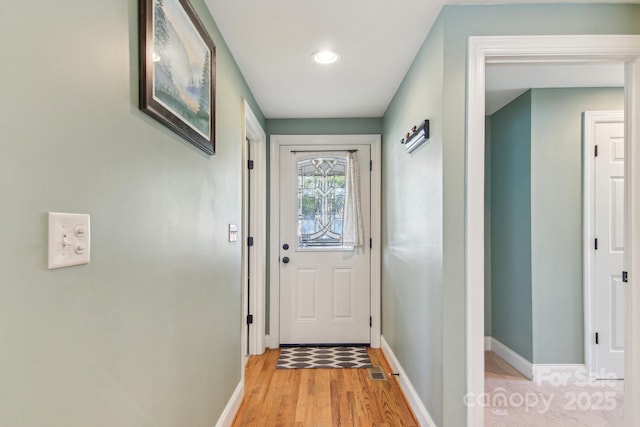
505,82
272,42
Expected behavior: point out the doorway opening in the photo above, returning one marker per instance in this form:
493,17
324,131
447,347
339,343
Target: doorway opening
547,49
281,253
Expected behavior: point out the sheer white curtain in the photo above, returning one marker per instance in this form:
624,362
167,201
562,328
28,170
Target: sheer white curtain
352,227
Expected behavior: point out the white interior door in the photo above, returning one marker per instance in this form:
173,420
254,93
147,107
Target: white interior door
609,290
325,286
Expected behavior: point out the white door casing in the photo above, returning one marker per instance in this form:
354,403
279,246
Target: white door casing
324,288
604,221
339,142
548,50
253,299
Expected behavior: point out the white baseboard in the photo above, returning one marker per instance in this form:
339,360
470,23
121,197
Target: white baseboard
230,411
512,358
410,393
268,343
539,371
560,373
487,343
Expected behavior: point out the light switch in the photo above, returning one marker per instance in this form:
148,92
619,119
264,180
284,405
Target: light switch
233,232
69,239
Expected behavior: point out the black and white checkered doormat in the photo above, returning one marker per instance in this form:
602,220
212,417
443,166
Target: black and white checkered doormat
323,357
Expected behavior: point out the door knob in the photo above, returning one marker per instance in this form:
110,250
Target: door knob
285,260
285,246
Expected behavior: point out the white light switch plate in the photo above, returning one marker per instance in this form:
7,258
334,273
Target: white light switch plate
233,232
69,239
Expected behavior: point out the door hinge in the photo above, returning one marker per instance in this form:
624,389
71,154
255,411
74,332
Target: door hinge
370,321
249,241
625,277
370,165
595,244
250,319
597,338
595,154
250,164
370,243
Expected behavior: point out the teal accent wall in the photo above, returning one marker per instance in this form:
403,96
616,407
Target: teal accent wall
487,227
554,329
446,46
510,154
412,186
556,218
148,333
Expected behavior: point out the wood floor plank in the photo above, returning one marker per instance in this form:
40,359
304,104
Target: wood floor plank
369,408
320,397
304,394
274,399
287,411
342,397
390,395
318,413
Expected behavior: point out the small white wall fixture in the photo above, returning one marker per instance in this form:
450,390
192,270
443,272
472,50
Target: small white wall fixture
549,50
376,193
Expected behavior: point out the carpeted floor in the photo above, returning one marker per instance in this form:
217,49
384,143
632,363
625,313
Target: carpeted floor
514,401
323,357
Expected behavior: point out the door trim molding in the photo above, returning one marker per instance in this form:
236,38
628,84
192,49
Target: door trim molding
547,49
274,227
257,137
591,119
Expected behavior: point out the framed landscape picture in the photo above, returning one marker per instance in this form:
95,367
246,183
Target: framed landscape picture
177,70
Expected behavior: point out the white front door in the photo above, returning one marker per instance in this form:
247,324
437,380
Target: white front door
609,250
325,285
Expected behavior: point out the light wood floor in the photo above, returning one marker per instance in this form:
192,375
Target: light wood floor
320,397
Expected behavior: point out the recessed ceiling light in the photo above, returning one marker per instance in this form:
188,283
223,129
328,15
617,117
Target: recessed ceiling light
325,57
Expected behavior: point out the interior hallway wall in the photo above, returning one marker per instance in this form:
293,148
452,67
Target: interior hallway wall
487,227
510,156
440,91
556,218
148,333
412,227
462,22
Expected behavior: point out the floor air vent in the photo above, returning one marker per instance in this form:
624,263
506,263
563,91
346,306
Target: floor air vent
376,374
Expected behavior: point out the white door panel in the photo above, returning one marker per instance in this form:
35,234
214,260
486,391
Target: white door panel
610,291
343,293
325,290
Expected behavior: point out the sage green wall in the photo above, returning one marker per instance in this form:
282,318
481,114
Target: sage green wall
556,218
447,43
510,154
352,126
148,333
412,227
